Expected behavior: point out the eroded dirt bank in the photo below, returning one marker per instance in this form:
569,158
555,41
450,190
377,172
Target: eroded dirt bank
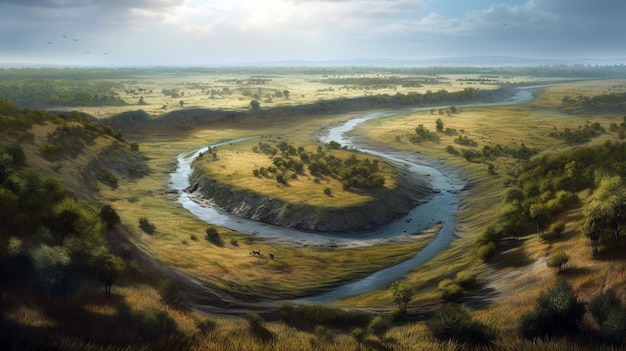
412,190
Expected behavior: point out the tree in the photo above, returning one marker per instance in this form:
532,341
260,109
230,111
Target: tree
50,263
109,216
558,260
213,236
439,125
255,105
402,294
611,194
610,314
182,103
557,312
107,268
286,94
539,213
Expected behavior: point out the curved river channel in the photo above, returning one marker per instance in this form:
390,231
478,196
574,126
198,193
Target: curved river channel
440,209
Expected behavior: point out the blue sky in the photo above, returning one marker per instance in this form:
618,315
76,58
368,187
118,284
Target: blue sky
227,32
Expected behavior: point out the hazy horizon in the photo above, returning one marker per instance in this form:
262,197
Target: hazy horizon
244,32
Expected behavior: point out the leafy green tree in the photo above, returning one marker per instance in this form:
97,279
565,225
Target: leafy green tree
611,193
439,125
557,312
610,314
594,223
402,293
107,268
539,213
255,105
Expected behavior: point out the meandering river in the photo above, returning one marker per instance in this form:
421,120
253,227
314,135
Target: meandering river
440,209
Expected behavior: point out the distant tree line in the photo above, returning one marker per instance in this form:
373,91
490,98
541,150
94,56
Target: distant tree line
37,93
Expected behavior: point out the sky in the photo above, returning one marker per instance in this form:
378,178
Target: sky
236,32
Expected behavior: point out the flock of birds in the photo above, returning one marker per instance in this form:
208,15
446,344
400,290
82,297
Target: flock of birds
75,40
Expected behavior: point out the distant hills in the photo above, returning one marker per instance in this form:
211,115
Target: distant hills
460,61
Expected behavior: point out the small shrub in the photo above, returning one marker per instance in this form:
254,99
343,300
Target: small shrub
558,260
327,191
170,292
234,242
453,322
557,228
465,279
449,290
153,323
109,216
486,251
193,237
146,226
126,250
213,236
379,327
255,321
451,150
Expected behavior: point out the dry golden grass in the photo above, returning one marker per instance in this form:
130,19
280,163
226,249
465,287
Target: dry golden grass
235,163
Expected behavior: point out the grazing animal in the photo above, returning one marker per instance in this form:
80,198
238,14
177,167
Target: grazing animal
255,253
271,256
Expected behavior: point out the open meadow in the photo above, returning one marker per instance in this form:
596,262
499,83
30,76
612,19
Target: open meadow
188,284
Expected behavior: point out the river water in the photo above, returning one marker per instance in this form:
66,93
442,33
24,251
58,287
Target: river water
440,209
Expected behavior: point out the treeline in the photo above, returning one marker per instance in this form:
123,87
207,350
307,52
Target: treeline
545,186
578,136
38,93
352,172
556,70
408,82
613,102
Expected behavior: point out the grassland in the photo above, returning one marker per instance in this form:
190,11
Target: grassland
508,284
234,164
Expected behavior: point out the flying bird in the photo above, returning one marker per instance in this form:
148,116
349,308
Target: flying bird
75,39
64,36
49,42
